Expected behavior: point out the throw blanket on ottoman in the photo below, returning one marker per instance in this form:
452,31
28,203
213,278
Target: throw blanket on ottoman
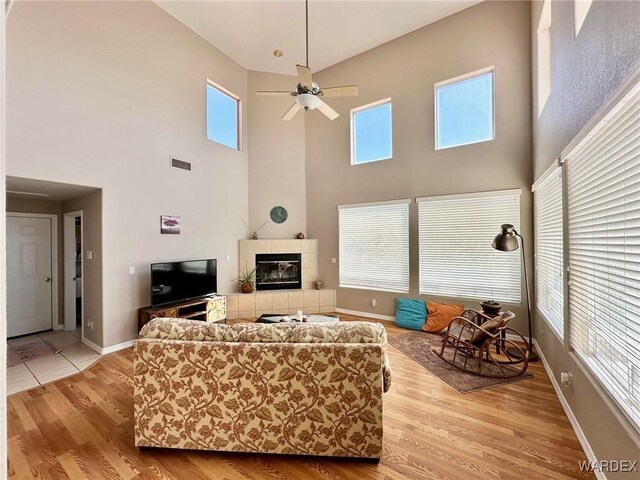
309,389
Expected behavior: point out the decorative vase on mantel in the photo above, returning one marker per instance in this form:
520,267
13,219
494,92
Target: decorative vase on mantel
246,287
317,284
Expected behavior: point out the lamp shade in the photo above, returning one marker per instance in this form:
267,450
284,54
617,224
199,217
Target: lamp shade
308,101
506,240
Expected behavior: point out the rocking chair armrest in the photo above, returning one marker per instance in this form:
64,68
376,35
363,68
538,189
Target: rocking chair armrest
465,322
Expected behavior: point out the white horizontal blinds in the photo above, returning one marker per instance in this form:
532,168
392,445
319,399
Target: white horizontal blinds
374,246
548,247
603,180
456,256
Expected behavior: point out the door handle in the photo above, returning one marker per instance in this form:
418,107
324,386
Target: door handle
47,279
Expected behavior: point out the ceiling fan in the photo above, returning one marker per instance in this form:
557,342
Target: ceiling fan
308,94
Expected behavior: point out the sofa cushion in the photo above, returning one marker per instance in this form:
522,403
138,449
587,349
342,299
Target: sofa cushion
182,329
259,332
341,332
410,313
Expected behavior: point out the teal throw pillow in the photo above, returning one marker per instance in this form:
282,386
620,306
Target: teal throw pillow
410,313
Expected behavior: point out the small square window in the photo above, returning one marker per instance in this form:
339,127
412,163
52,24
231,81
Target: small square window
371,132
223,118
464,110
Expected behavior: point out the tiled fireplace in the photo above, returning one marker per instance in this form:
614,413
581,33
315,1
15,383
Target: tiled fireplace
284,299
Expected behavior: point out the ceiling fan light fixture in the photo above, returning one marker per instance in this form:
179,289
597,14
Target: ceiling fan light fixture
308,101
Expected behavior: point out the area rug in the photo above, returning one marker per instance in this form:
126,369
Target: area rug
30,351
418,346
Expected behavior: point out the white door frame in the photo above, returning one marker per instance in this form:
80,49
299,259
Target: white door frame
54,260
69,220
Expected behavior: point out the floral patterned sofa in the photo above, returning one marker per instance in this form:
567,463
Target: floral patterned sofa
308,389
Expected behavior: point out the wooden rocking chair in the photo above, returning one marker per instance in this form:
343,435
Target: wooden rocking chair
469,339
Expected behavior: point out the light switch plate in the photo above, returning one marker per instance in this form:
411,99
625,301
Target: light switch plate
132,270
89,254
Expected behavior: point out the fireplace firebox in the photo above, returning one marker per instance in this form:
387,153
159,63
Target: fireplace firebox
278,271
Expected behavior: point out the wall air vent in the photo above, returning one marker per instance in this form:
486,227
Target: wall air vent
179,164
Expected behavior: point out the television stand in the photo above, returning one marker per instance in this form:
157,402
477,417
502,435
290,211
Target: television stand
207,309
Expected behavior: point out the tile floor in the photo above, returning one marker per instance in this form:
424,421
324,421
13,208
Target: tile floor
73,357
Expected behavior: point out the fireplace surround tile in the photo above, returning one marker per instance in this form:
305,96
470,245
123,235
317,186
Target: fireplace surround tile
232,303
309,260
326,298
247,303
294,246
279,246
280,301
309,246
264,301
296,300
263,246
310,298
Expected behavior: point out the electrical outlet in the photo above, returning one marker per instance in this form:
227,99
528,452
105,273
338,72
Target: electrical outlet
90,324
89,254
566,379
542,333
228,257
334,260
373,302
132,270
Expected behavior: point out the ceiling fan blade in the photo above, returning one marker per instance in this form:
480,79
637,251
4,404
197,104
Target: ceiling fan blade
346,91
274,92
304,76
291,112
327,110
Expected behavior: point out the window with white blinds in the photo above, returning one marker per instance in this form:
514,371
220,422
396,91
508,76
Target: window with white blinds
456,256
548,247
603,182
374,246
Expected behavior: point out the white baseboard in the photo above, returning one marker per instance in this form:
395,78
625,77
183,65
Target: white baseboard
567,410
375,316
105,350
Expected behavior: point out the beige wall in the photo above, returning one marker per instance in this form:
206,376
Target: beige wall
101,94
27,205
585,72
276,158
91,207
406,70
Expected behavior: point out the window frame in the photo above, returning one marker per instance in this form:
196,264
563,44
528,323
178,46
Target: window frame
460,78
401,202
362,108
238,100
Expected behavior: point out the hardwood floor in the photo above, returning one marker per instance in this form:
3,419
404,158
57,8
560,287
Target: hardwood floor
81,428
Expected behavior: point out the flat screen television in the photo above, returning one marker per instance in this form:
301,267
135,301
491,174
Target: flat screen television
177,281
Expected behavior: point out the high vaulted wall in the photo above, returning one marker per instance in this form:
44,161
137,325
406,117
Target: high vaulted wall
489,34
586,70
102,94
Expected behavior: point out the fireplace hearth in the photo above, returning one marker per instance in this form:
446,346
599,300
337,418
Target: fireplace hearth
278,271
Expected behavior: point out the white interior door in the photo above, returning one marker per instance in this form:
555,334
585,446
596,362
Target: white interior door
29,275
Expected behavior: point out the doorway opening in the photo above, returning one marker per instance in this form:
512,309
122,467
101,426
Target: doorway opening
73,269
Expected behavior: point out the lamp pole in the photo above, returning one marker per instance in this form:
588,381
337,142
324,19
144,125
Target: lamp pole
533,356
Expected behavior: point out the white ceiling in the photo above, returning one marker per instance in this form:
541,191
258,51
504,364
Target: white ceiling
249,30
42,190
